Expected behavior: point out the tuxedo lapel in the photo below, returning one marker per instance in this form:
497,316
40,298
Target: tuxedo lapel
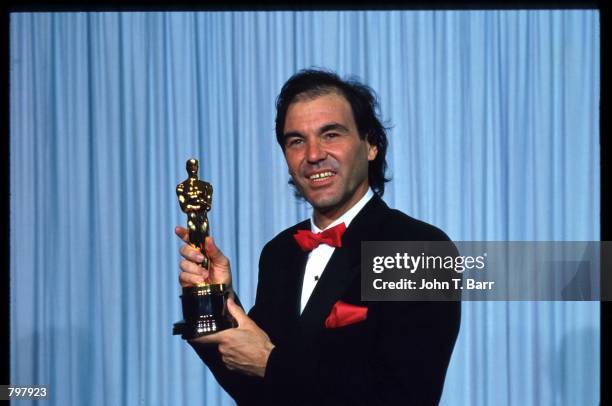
343,266
293,266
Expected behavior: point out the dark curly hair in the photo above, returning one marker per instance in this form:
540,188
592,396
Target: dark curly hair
311,83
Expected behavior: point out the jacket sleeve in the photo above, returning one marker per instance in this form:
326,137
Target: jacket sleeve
243,388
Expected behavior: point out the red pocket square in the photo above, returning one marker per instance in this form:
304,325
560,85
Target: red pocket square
343,314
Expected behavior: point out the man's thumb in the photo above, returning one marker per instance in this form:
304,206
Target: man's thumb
237,312
213,251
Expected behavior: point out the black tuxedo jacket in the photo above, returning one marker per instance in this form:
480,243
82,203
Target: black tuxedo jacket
397,356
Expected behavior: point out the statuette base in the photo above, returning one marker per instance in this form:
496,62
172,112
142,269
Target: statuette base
204,311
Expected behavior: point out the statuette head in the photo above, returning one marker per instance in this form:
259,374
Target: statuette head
192,167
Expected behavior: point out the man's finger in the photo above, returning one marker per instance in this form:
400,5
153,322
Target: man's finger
190,267
182,233
237,312
215,338
191,253
189,279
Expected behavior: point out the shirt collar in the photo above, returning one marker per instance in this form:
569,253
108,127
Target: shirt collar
347,217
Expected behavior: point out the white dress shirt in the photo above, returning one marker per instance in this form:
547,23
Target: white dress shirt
318,258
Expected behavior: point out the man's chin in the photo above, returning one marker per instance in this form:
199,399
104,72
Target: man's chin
323,204
322,201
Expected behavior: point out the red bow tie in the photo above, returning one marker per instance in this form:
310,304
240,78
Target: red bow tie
307,240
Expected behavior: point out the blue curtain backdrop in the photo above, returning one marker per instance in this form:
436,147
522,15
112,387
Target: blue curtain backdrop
495,137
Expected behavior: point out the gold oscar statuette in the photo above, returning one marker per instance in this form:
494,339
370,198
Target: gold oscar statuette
204,305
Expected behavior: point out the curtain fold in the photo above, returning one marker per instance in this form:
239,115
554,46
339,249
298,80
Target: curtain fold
494,136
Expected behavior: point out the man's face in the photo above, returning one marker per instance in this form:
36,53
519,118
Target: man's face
326,158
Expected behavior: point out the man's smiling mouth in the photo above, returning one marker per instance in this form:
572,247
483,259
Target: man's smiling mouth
318,177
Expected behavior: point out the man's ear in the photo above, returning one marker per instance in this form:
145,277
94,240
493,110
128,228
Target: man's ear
372,151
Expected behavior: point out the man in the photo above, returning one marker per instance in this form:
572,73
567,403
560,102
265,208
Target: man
309,339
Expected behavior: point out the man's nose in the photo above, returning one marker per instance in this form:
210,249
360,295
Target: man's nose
315,152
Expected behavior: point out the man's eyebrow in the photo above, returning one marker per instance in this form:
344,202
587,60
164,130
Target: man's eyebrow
333,127
291,134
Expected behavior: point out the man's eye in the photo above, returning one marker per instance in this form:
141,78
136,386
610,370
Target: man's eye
331,135
294,141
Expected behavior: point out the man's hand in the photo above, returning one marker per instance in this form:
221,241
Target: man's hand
245,348
192,273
